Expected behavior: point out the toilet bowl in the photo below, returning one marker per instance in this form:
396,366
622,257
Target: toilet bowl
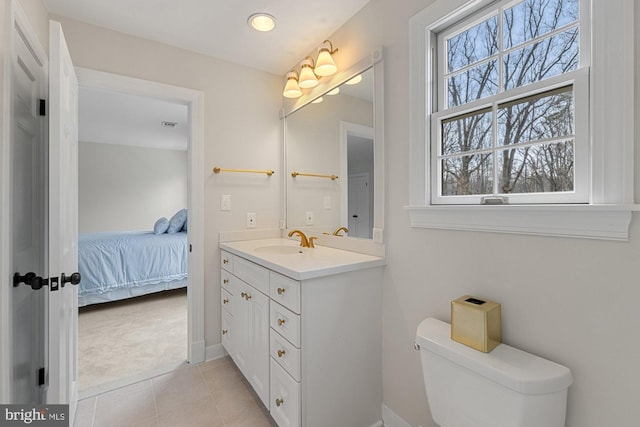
505,388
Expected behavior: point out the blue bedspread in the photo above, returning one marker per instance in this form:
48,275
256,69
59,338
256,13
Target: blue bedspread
111,261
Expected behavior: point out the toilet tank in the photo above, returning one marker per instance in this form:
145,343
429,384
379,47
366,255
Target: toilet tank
505,388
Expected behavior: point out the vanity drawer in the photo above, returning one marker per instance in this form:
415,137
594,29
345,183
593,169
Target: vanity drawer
226,331
285,354
285,397
226,300
286,323
253,274
285,291
228,282
226,261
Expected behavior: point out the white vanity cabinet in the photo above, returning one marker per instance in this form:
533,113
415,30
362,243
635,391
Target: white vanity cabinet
324,342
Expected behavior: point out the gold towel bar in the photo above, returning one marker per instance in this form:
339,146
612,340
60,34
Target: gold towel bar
332,177
219,169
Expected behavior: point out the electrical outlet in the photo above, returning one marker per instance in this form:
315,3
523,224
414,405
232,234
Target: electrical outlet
225,202
309,217
378,235
251,220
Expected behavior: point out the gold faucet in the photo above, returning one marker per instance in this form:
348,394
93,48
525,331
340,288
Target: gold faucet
339,229
304,242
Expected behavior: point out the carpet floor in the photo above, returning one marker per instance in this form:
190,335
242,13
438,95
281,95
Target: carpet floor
123,339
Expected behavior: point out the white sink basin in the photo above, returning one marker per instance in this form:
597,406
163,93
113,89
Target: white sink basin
279,249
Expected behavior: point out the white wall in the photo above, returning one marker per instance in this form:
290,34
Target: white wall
123,188
573,301
242,130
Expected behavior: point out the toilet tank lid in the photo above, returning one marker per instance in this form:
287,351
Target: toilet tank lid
506,365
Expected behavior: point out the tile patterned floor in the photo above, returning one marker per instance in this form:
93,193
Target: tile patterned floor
212,394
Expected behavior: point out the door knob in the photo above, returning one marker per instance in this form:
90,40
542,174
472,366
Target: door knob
29,279
74,279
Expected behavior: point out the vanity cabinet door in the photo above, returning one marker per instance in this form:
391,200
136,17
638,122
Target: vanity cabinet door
227,332
285,398
251,337
259,339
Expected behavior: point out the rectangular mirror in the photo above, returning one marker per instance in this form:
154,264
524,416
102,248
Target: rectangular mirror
332,152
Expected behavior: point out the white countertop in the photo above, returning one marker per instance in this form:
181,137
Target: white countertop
310,263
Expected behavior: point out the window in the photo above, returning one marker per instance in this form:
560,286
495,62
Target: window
505,122
529,103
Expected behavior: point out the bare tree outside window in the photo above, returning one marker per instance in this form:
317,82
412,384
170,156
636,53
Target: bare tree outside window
527,144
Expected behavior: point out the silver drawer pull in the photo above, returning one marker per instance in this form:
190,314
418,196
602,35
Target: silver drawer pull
281,353
279,402
280,291
281,322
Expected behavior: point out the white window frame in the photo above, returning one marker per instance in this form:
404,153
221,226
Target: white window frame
607,214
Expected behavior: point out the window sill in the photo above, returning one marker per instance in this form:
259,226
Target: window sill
606,222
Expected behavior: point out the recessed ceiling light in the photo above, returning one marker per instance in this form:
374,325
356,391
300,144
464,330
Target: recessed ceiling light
262,22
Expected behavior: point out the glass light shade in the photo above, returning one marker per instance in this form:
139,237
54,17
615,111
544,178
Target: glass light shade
262,22
291,88
307,78
354,81
325,66
317,100
334,91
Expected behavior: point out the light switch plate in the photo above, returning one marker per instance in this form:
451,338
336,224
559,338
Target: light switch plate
225,202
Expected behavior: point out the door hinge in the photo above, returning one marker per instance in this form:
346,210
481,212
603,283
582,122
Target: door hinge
43,107
41,376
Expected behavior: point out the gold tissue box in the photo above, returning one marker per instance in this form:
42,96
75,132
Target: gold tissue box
476,323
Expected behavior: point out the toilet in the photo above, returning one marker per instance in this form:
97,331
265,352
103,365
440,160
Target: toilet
504,388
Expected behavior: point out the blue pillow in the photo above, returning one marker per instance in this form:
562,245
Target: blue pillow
177,221
161,226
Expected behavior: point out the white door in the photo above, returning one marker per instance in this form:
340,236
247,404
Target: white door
28,216
358,211
63,222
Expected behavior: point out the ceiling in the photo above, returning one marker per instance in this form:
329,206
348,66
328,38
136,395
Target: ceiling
219,27
110,117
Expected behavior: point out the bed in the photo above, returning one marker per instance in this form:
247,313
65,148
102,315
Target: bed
122,265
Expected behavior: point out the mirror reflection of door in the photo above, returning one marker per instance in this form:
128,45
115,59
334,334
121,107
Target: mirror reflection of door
359,219
360,186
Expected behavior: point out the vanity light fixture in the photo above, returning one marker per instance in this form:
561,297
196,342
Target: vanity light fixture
308,78
325,65
310,72
317,100
262,22
291,88
334,91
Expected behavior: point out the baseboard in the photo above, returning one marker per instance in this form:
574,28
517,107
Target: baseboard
391,419
214,352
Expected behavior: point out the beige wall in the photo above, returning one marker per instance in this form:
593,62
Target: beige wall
242,130
123,188
573,301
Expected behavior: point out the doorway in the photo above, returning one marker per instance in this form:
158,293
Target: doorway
193,101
